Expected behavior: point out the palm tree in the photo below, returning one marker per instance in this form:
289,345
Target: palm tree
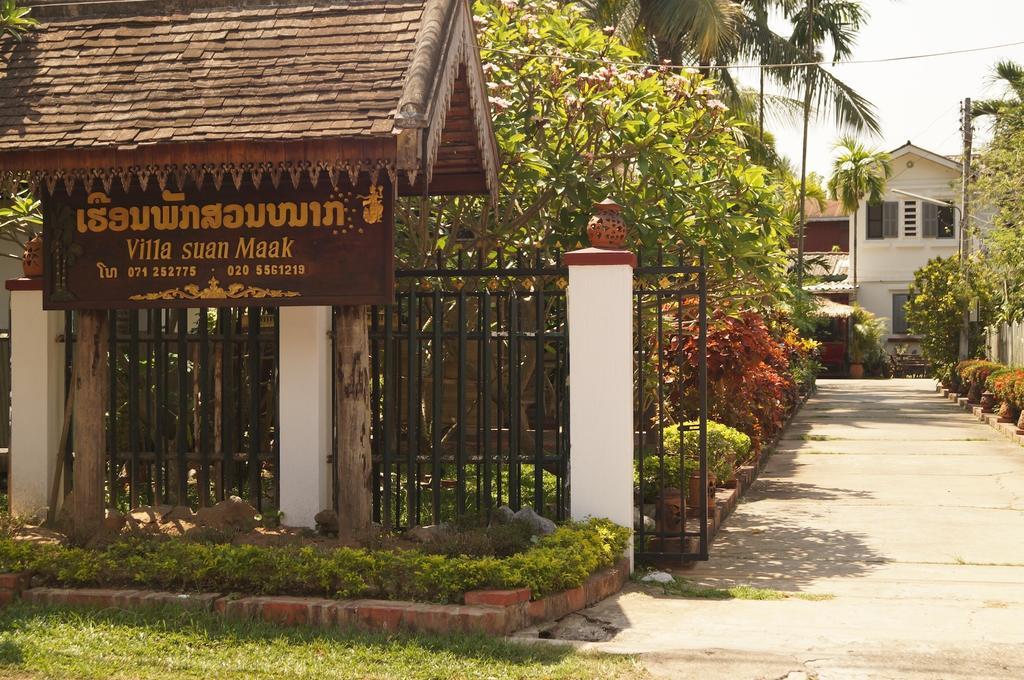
837,21
1011,74
858,173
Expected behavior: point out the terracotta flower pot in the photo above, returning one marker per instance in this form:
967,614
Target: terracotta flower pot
974,393
1020,423
32,258
1007,413
607,228
857,371
988,402
671,510
693,491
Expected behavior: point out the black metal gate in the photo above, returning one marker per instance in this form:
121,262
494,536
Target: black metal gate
192,414
470,399
670,328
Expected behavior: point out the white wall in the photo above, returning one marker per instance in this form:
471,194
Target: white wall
9,269
887,266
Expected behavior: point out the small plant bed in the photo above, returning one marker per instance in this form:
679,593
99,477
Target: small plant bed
373,588
993,393
147,645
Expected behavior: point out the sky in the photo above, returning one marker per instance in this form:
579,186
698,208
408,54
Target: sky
917,100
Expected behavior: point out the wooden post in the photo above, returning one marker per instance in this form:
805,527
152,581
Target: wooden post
352,366
90,428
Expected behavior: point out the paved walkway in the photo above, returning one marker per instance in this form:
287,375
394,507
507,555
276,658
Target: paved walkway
894,501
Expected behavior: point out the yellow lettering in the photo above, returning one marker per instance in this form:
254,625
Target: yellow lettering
119,219
255,219
165,217
245,247
300,216
212,216
334,214
189,217
97,219
139,218
276,214
233,216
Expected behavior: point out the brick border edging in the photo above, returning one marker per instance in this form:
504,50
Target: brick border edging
492,612
1008,430
727,498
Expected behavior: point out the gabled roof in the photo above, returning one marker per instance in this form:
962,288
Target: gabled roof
829,287
353,83
830,309
828,264
833,210
924,153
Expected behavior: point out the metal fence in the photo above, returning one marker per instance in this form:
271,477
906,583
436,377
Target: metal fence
5,391
1006,344
471,406
192,416
470,400
671,411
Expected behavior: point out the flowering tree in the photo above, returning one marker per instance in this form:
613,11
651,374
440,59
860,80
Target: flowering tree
576,123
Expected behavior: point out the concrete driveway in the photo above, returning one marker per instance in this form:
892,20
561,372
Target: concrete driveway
882,494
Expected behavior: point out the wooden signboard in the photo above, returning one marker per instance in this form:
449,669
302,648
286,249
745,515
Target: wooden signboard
221,246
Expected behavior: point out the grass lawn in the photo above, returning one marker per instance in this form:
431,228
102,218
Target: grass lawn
38,642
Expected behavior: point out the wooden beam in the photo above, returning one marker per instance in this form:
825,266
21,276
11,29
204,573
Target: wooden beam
92,375
352,375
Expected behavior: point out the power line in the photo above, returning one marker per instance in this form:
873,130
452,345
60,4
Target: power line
852,62
635,64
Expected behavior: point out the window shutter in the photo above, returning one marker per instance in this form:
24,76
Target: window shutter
891,219
930,221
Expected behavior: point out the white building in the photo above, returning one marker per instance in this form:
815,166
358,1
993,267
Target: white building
900,235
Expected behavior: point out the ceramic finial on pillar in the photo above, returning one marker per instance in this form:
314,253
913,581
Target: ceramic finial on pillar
607,228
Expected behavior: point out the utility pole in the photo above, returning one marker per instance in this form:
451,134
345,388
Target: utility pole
808,90
967,126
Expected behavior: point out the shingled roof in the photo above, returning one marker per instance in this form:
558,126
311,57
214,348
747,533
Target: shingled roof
144,83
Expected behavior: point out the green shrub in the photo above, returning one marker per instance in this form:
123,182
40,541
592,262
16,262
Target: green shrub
1008,386
942,290
974,374
557,562
727,449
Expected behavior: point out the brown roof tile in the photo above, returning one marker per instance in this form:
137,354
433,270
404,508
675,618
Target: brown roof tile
130,73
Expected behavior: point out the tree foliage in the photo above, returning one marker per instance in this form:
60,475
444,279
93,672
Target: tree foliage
999,190
14,20
941,291
578,127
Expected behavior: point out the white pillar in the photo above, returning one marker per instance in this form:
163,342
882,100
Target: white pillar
600,296
37,398
305,405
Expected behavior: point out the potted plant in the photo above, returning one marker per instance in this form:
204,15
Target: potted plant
19,221
866,331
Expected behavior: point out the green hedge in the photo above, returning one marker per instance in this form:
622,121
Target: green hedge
727,448
558,562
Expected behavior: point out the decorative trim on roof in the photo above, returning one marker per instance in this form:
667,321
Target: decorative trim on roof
446,47
162,174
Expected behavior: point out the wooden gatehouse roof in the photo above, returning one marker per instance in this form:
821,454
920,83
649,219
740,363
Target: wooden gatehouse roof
106,86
